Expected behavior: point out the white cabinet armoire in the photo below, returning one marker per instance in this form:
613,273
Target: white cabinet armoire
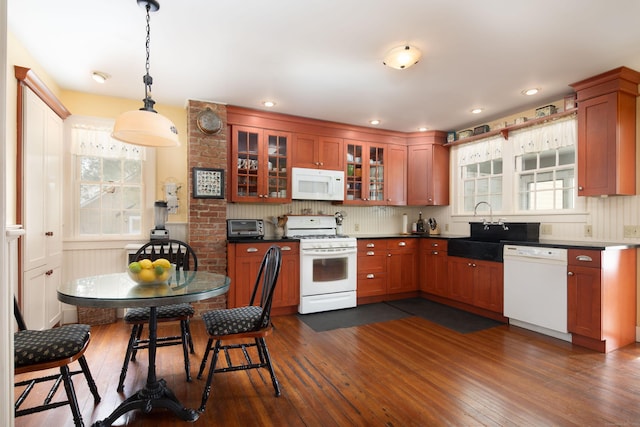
40,208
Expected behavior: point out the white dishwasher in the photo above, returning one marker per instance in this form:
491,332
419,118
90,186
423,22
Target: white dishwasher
535,289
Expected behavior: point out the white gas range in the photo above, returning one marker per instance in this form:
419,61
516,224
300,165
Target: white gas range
327,263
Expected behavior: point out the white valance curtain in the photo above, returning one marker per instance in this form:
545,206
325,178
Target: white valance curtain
481,151
547,136
560,133
96,140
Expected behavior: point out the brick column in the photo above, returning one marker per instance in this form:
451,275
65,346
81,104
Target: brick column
207,217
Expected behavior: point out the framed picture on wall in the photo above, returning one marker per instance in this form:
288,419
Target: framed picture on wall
208,183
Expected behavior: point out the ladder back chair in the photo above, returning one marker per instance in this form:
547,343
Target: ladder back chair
51,348
249,324
185,259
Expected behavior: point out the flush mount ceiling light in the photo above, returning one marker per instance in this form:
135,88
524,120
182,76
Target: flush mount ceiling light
269,103
423,129
402,57
100,77
476,110
145,126
374,122
529,92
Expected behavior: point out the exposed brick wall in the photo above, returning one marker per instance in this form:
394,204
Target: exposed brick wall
207,217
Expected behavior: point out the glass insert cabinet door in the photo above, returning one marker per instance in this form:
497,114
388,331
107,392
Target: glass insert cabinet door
365,173
262,170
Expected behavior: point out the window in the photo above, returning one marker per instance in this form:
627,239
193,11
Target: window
546,180
108,178
532,171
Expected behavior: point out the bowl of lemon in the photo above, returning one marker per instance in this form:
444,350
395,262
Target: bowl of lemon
147,272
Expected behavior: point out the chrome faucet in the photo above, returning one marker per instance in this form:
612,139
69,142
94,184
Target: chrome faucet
484,221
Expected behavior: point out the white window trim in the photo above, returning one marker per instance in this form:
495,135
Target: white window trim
509,203
70,226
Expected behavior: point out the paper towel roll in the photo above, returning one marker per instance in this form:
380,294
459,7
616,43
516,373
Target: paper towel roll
405,223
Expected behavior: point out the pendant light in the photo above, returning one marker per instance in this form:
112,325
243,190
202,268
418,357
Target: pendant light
145,126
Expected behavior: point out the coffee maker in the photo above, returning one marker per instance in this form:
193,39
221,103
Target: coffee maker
161,215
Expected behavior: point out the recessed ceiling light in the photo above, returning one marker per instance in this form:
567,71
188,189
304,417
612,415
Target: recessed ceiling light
268,103
529,92
100,77
476,110
374,122
423,129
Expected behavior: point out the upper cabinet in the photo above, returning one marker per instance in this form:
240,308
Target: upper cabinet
375,174
428,170
607,133
318,152
259,165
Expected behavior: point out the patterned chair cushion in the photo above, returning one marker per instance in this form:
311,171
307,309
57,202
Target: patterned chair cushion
232,320
141,314
32,347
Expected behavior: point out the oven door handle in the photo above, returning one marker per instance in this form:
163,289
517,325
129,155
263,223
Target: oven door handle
328,251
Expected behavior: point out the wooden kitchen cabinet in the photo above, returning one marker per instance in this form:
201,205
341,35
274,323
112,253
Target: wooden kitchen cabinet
243,262
601,291
477,283
318,152
386,267
434,267
607,133
428,171
375,174
259,165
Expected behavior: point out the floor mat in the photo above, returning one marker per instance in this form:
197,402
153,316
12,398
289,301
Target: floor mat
348,317
449,317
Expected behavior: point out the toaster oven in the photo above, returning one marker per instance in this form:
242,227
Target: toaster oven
245,228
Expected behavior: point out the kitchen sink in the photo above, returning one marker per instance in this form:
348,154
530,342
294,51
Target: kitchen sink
486,240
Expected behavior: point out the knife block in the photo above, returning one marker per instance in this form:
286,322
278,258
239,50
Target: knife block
435,231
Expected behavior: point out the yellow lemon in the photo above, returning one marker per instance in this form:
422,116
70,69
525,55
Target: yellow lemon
162,262
164,276
147,275
145,263
135,267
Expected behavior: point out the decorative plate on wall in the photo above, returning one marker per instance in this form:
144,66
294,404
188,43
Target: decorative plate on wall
208,122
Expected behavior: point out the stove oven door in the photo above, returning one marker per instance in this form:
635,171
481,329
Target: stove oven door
327,271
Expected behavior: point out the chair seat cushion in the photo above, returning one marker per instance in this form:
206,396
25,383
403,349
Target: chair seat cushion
232,320
141,314
33,347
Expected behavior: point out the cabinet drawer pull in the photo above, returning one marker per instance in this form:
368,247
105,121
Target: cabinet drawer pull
435,245
435,252
585,258
252,249
371,245
371,276
402,244
49,233
370,253
569,273
285,248
49,272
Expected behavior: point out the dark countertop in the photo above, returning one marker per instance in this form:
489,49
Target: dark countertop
562,244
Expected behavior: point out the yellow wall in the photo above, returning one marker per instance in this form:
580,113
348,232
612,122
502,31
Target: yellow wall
171,163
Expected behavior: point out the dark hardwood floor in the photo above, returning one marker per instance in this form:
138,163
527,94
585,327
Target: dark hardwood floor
407,372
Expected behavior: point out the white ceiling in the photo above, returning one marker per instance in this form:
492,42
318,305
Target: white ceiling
323,58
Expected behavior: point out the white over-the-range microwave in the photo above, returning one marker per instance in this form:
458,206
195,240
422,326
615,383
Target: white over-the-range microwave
317,184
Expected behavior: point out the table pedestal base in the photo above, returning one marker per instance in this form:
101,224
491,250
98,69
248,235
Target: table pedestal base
157,395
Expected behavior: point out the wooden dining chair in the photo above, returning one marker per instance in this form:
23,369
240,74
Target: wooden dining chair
245,326
36,351
185,259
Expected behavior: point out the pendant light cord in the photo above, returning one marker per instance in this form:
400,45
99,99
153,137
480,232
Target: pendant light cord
147,79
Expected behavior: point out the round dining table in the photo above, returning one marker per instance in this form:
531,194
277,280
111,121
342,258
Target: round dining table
118,290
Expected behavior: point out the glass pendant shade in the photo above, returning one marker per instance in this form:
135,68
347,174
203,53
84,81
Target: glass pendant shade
402,57
147,128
